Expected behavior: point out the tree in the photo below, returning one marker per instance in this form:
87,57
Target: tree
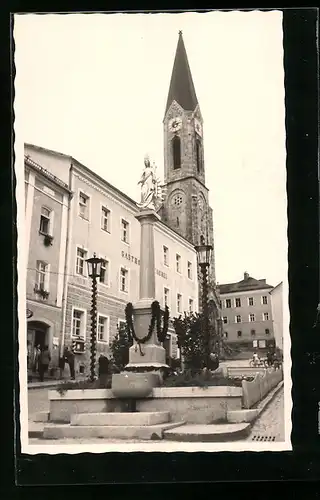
191,340
190,331
120,346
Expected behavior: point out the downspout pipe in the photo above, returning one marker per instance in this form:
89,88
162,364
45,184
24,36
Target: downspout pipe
66,263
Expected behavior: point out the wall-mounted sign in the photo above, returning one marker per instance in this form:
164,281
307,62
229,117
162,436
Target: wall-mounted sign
55,341
29,313
131,258
162,274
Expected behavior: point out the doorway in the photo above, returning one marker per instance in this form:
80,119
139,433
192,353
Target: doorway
37,335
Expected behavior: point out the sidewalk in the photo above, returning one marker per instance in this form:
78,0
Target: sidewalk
51,383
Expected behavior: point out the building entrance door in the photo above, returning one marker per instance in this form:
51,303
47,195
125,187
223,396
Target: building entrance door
37,336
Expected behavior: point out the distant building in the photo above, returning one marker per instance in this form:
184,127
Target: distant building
277,313
247,314
100,218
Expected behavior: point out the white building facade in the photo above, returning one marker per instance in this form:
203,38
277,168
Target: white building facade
247,314
101,219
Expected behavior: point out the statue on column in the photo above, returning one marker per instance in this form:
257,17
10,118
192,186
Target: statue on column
151,193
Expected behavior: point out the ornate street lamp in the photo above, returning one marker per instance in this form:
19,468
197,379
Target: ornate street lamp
94,270
204,258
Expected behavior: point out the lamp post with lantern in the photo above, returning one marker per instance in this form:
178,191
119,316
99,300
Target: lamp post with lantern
204,258
94,271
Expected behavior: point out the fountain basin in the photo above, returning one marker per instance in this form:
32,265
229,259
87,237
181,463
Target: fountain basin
130,385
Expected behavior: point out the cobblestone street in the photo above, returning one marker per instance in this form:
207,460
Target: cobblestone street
271,422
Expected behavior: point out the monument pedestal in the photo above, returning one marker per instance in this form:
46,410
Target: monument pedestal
148,359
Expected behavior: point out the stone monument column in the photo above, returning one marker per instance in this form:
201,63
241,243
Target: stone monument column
152,354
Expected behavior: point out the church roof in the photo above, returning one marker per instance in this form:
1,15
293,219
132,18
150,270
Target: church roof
181,86
247,284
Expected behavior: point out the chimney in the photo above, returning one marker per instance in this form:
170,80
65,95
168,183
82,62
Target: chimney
246,275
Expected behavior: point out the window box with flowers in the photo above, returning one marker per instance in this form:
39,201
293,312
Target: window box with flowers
39,290
47,240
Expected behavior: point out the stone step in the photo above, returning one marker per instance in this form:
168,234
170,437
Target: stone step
147,432
239,416
35,429
208,433
41,416
121,419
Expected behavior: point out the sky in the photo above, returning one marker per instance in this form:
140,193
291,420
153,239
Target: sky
94,86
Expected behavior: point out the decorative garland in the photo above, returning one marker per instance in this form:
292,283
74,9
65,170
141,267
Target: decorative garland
155,321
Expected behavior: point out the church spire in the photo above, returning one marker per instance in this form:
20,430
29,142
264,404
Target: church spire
181,85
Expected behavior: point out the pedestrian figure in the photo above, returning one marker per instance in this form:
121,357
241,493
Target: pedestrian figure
62,363
29,349
36,355
256,359
269,358
104,370
69,356
44,360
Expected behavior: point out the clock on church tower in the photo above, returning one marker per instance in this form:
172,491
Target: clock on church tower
175,124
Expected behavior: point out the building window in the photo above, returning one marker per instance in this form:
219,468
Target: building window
264,299
124,231
176,152
238,302
251,317
124,280
165,256
178,222
45,219
238,318
166,296
105,219
198,155
239,333
42,277
178,263
177,200
103,328
250,301
81,257
253,332
267,331
228,303
84,206
179,303
190,305
265,316
78,323
104,272
190,270
225,320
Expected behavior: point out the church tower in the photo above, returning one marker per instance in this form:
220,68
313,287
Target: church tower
186,208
